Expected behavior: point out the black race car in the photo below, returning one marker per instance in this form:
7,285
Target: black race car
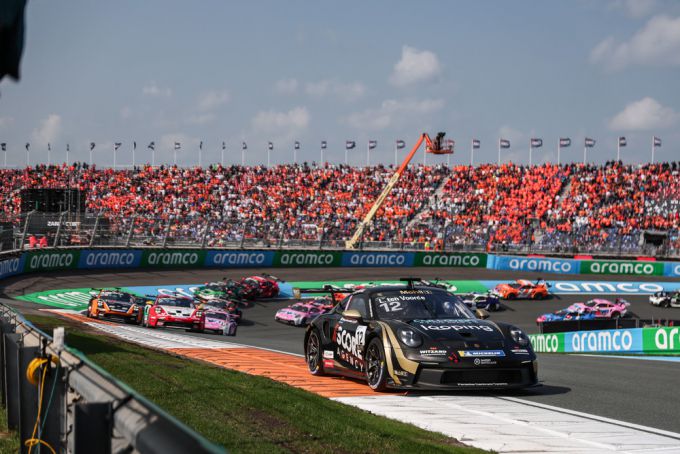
421,337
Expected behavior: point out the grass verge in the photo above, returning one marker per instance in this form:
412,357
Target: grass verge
247,413
9,441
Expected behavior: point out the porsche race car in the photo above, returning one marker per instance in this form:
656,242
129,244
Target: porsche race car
227,305
298,314
173,311
665,299
522,289
602,308
417,337
218,321
565,315
115,304
261,286
484,301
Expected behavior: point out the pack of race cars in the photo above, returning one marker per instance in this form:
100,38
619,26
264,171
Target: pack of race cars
215,307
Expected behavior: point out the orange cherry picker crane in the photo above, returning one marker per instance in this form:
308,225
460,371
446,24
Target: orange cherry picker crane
435,147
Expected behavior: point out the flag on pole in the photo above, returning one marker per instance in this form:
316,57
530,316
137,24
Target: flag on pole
178,145
244,146
28,145
476,144
622,141
151,146
565,142
372,144
589,143
92,145
68,148
134,145
224,146
117,145
324,144
400,144
49,147
504,143
349,144
3,145
536,143
657,142
270,145
200,145
297,145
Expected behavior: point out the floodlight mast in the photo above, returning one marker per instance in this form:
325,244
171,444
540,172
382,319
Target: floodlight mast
430,147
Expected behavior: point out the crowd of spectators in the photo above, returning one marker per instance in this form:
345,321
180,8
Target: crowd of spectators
596,207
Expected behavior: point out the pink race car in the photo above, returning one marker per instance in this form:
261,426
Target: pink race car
218,321
299,314
601,308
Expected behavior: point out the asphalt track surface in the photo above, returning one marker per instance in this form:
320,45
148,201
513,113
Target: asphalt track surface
626,389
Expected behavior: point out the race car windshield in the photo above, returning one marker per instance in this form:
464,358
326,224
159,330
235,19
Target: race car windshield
119,297
179,302
300,308
419,304
213,287
217,315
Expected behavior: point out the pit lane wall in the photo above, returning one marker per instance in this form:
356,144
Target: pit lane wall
649,341
65,259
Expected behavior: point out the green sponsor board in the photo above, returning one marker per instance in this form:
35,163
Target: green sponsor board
455,259
308,258
456,286
547,343
51,260
661,340
635,268
74,298
173,258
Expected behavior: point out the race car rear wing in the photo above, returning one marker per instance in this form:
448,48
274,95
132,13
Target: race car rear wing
325,290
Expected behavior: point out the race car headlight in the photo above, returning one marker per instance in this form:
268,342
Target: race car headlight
519,336
410,338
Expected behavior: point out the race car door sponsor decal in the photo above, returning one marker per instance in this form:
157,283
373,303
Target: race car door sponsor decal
349,338
480,353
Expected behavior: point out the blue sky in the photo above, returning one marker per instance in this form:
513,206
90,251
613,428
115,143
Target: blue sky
260,71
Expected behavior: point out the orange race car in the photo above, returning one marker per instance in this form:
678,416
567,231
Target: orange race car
523,289
115,304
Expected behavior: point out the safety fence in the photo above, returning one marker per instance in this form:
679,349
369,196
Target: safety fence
59,401
653,341
53,259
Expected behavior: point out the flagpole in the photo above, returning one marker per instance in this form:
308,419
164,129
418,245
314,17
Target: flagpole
243,157
67,160
90,155
530,151
653,149
346,154
222,157
269,152
175,156
559,148
472,152
49,152
114,156
368,153
618,149
28,156
321,157
133,155
499,152
585,148
200,156
153,157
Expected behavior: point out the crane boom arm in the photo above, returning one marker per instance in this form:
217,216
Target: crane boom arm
352,243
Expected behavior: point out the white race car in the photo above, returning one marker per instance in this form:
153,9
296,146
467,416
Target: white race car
665,299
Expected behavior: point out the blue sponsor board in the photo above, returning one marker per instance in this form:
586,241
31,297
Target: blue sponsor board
110,258
604,341
239,259
540,264
671,269
378,258
12,266
602,287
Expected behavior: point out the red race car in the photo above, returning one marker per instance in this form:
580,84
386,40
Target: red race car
173,311
262,286
522,289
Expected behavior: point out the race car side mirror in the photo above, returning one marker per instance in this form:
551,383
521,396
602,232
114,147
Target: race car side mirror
352,314
482,314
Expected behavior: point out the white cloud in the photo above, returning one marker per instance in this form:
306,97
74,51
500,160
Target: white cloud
213,99
48,131
281,122
657,43
390,110
167,142
634,8
644,115
201,119
286,86
345,91
415,66
152,89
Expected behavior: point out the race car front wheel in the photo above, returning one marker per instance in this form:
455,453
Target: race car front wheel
376,373
313,353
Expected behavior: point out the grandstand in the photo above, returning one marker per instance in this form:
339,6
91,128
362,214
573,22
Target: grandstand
568,208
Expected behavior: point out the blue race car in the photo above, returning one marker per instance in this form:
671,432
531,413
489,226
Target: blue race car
565,315
484,301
